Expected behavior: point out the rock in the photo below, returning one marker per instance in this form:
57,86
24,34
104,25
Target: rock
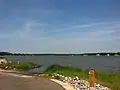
79,84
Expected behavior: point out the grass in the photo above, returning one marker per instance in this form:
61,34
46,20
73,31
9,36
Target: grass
111,80
21,66
25,66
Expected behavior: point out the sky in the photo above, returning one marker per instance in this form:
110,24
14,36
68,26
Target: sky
59,26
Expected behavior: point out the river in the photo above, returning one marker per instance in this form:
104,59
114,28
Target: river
104,63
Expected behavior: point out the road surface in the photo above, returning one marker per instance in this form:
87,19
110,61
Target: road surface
8,82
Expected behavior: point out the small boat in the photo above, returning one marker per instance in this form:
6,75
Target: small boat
98,55
116,55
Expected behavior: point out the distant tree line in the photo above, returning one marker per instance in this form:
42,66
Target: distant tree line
104,53
89,54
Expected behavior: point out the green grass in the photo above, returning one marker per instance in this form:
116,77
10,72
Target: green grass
25,66
21,66
106,79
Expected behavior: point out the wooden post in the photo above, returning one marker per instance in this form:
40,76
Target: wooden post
91,79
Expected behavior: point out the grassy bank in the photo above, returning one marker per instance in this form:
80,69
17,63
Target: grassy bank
110,80
21,66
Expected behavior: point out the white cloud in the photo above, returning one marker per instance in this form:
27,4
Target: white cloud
97,25
29,30
35,29
100,39
33,25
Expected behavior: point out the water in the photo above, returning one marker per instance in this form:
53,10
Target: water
104,63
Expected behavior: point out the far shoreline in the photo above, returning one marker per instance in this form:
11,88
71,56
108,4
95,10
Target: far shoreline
62,54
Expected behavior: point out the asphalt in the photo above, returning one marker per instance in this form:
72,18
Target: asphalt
8,82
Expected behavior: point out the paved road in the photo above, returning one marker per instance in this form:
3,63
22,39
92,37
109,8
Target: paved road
8,82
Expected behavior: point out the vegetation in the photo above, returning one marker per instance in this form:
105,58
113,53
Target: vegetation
89,54
21,66
110,80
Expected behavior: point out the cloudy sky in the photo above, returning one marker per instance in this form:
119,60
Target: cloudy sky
59,26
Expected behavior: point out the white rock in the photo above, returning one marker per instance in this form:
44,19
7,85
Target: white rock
97,85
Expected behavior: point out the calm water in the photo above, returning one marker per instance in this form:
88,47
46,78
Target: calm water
105,63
